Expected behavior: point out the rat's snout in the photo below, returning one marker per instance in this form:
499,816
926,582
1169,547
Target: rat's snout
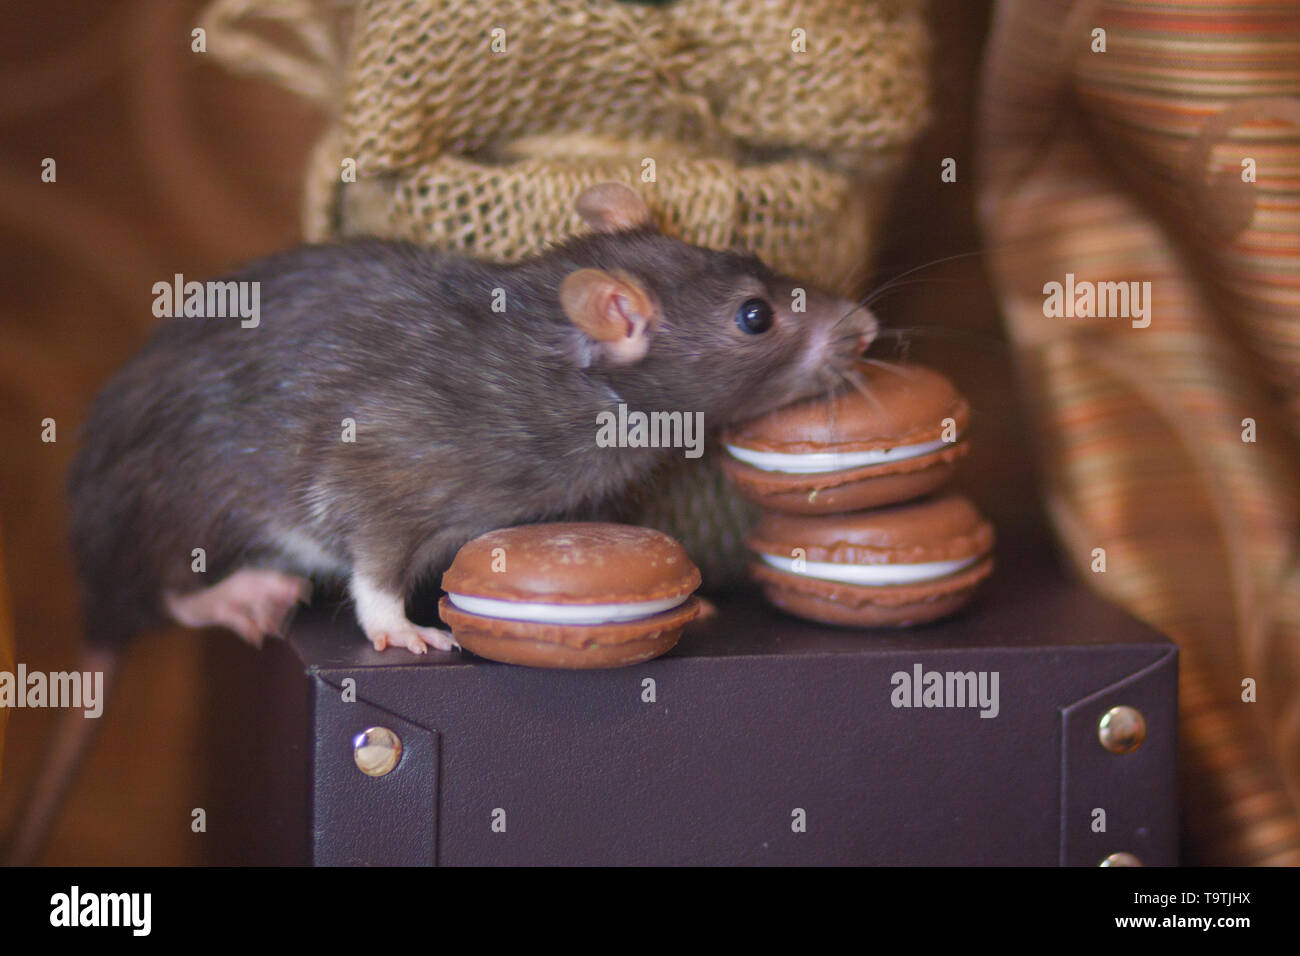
842,331
857,328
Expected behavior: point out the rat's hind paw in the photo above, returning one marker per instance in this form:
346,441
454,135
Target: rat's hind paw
414,638
252,602
382,616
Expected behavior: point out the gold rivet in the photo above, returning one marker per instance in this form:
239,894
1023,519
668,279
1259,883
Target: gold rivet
1121,859
376,751
1122,730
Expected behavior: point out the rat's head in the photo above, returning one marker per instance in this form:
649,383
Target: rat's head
678,327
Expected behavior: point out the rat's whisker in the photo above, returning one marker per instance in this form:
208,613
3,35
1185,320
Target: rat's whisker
926,265
843,318
875,295
883,291
831,403
985,340
937,330
847,381
859,385
880,407
851,337
857,275
893,281
894,367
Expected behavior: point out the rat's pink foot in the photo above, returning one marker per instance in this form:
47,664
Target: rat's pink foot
382,616
414,638
252,602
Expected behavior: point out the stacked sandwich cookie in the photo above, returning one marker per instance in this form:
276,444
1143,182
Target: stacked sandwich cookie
857,528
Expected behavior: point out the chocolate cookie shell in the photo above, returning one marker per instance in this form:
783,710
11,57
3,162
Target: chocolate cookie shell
878,448
557,595
907,564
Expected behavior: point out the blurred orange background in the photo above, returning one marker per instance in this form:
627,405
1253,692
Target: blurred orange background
165,163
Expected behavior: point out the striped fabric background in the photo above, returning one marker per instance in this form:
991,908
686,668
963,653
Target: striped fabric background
1126,164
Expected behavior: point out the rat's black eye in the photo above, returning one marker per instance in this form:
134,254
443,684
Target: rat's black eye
754,316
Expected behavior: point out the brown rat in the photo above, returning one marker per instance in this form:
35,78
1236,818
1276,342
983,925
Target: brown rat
475,390
467,419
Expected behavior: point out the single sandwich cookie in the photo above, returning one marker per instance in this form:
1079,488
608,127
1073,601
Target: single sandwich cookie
891,567
573,595
896,439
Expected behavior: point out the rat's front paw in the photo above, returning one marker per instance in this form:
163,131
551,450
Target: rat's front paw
414,638
251,602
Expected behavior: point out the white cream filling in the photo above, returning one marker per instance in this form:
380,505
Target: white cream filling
871,575
540,613
820,461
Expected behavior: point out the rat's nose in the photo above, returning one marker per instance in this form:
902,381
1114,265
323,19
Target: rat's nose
862,322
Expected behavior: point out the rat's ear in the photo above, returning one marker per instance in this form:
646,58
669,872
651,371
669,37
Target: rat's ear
611,207
612,308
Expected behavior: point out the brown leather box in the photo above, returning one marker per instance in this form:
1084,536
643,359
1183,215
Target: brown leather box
768,741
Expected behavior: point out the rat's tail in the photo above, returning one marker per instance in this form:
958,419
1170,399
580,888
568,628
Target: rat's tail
63,758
